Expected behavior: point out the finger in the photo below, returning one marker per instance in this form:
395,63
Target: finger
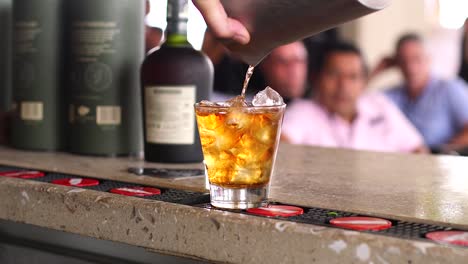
220,24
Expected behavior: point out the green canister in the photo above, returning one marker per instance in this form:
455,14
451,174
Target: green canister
5,54
37,121
105,48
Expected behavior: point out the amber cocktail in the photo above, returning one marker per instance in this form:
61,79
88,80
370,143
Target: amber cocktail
239,146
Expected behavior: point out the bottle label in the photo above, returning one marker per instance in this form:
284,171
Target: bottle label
170,114
92,43
27,36
108,115
32,111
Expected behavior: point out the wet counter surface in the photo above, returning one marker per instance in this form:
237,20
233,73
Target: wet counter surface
418,188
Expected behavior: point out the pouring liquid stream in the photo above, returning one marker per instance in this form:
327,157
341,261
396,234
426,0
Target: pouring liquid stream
249,74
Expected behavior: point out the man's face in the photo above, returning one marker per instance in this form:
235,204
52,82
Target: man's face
285,70
414,64
341,82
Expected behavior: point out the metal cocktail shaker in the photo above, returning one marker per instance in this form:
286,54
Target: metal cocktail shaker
273,23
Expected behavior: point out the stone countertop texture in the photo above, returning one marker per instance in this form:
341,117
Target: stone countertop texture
418,188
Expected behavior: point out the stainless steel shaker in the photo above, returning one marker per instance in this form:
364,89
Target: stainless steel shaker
273,23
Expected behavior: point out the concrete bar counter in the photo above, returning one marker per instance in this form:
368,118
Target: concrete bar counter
429,192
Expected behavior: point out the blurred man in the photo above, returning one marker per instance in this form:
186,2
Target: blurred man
285,70
340,115
437,108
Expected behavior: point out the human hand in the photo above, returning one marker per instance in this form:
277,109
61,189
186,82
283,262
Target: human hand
384,64
421,150
465,26
223,27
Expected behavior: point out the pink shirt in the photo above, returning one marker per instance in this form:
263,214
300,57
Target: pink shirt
379,126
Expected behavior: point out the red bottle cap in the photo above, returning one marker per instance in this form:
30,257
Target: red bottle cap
459,238
362,223
136,191
277,210
22,174
77,182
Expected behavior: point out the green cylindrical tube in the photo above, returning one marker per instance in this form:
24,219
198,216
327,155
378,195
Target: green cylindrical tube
37,93
105,48
5,54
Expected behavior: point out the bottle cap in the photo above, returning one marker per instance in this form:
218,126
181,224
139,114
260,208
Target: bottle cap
137,191
22,174
459,238
177,9
77,182
361,223
277,210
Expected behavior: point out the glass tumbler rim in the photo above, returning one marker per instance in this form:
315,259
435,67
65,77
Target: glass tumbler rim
219,105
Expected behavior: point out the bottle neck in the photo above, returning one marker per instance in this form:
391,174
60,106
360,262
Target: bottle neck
177,18
176,34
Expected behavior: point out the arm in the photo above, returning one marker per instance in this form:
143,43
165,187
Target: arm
289,132
384,64
285,138
223,27
403,134
421,150
465,42
458,101
460,140
293,128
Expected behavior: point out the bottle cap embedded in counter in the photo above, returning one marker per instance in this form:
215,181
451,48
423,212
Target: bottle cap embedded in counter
459,238
22,174
77,182
136,191
361,223
277,210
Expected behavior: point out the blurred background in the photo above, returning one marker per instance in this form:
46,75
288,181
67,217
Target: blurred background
293,70
439,21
